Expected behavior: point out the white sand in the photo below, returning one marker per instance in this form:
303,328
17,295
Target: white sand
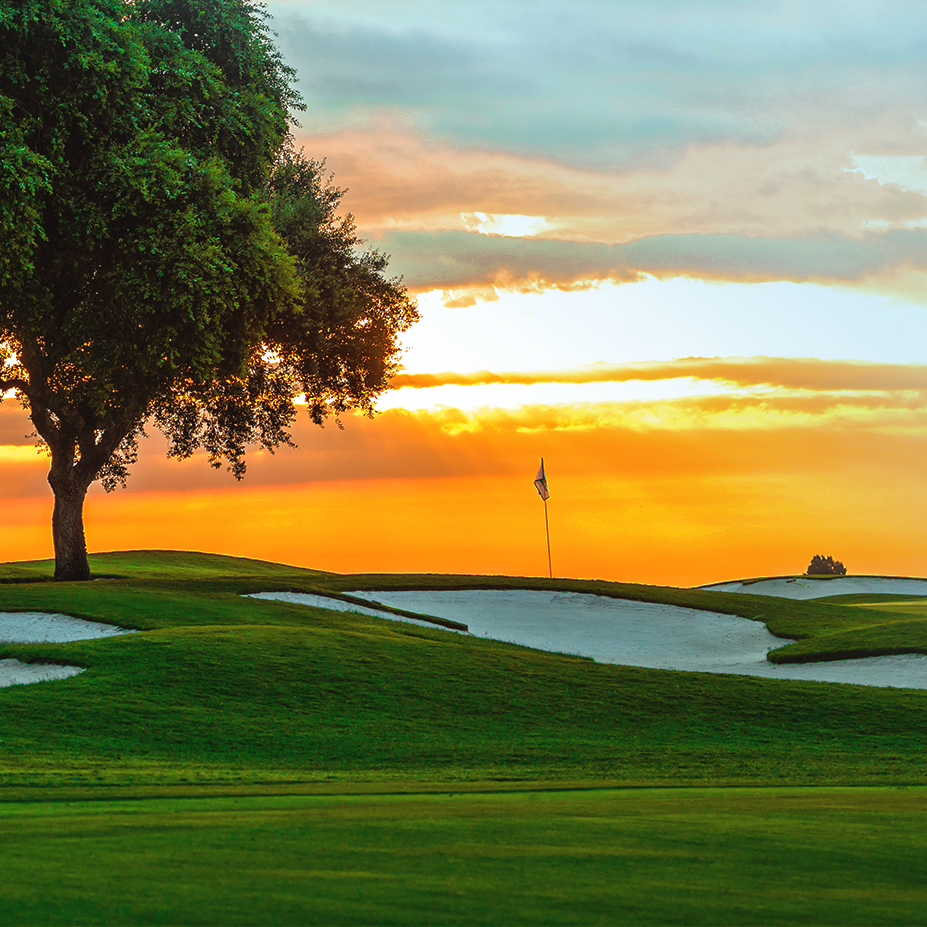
321,601
803,588
14,673
44,627
643,634
49,628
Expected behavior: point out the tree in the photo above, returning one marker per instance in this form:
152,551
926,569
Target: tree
825,566
166,255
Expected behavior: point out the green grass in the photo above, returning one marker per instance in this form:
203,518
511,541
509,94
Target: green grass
914,606
245,761
158,564
224,689
773,856
868,625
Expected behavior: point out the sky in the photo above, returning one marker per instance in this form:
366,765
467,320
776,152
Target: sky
676,248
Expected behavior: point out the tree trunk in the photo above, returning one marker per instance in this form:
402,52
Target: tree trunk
68,530
78,453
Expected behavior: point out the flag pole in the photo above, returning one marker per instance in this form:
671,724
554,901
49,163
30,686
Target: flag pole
540,484
550,568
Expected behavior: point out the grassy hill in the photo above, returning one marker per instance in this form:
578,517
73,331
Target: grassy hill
227,690
246,762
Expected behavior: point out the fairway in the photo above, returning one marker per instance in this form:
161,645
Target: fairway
759,856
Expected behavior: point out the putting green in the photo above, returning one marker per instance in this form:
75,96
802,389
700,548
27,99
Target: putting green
913,607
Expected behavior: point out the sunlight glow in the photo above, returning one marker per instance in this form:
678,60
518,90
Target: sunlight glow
908,171
512,226
21,454
658,320
511,395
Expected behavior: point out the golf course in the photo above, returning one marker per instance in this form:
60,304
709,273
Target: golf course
247,760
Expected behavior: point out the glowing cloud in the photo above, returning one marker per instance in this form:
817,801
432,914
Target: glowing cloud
793,373
507,226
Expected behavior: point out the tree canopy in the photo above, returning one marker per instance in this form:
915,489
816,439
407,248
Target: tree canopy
824,566
166,254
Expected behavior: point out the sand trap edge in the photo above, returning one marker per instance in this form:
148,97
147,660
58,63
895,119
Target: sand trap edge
16,673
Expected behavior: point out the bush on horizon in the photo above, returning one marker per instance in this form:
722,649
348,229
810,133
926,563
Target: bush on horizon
825,566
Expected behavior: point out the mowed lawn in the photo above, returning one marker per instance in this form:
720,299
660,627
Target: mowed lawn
914,608
246,761
707,856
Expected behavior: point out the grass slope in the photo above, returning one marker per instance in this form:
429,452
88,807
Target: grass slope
221,689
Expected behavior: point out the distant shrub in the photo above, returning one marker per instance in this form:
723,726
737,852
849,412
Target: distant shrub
825,566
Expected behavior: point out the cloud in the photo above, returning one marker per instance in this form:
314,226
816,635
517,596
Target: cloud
708,139
855,409
359,64
794,210
400,179
452,260
783,372
605,84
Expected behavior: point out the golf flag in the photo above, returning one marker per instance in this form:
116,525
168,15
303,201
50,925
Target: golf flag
540,483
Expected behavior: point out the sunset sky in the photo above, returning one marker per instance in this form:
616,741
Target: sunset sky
677,248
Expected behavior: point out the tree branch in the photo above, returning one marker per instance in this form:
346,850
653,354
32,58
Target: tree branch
16,383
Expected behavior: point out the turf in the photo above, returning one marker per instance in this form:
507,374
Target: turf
248,761
774,856
914,606
224,689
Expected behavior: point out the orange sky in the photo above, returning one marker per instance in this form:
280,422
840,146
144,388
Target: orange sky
681,257
678,491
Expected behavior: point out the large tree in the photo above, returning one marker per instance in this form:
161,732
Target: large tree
166,255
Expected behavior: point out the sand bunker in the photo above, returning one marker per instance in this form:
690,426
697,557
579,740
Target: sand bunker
642,634
49,628
44,627
14,673
321,601
803,588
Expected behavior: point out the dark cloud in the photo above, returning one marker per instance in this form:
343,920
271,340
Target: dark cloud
452,259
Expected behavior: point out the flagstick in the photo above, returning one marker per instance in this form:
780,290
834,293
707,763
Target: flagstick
550,569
